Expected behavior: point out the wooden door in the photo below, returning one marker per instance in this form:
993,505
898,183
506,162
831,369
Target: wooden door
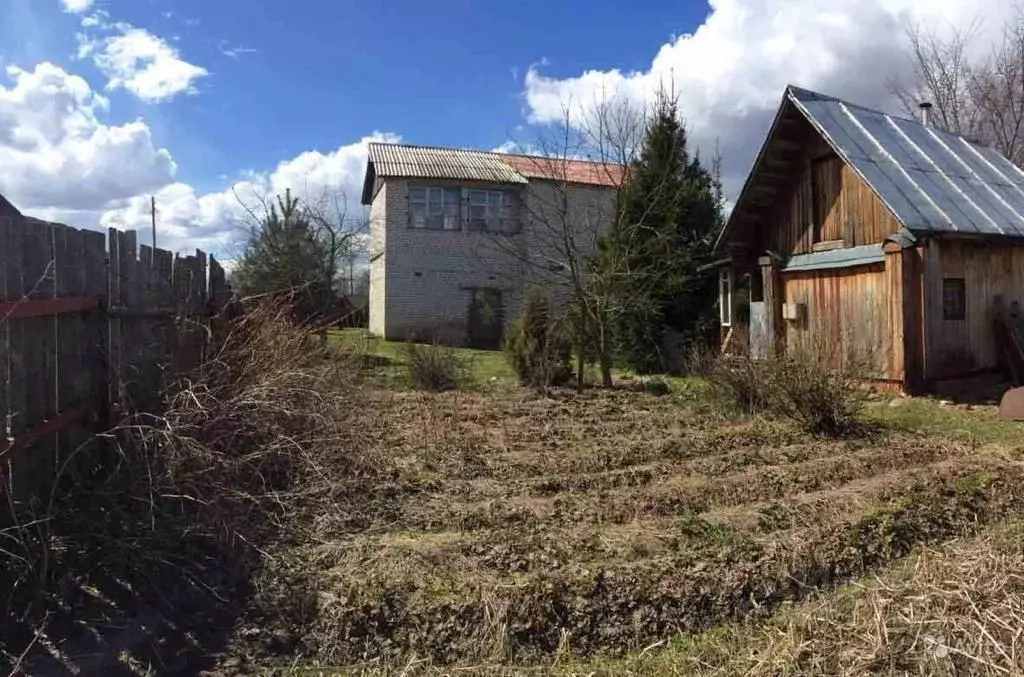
486,318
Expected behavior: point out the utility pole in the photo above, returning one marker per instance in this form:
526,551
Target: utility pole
152,215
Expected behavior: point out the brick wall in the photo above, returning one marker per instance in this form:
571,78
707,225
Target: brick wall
421,286
378,260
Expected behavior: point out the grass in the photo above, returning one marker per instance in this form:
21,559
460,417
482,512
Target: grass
617,531
485,367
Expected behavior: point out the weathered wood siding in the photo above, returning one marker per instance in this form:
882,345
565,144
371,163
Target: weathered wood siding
846,318
959,347
847,207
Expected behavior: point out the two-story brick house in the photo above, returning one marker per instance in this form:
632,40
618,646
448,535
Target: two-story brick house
457,235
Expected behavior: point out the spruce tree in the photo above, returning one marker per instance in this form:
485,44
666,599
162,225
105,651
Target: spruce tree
665,223
285,258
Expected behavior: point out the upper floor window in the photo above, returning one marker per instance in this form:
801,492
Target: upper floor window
449,208
488,210
434,208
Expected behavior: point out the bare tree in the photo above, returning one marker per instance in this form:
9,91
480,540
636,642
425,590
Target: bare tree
565,222
563,219
978,96
330,238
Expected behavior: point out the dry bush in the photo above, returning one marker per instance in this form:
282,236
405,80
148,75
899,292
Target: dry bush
180,507
820,396
816,385
738,379
434,367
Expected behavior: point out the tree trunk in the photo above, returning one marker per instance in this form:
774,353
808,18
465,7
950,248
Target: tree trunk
604,358
606,369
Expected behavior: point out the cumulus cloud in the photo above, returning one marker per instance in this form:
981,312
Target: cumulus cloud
217,221
55,153
135,59
731,71
59,161
76,6
145,65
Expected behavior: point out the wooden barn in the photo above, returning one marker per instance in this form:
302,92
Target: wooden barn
877,236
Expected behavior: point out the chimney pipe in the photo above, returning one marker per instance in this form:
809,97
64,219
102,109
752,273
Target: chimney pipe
925,107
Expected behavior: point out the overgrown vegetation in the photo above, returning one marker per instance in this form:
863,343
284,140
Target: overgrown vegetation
822,394
537,345
489,550
433,366
152,532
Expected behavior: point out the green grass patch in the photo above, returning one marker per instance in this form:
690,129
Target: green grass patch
391,368
926,415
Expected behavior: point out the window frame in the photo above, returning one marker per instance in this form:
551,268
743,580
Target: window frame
725,297
954,299
433,205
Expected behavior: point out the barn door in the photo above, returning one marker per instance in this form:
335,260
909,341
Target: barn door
486,318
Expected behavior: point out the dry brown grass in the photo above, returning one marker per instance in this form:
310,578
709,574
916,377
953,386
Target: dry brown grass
956,610
154,545
523,530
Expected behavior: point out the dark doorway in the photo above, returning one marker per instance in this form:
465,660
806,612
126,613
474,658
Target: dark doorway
486,318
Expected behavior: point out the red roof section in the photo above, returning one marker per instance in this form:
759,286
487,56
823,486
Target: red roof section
572,171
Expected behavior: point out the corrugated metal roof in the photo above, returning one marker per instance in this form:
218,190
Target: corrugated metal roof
836,258
391,159
428,162
933,181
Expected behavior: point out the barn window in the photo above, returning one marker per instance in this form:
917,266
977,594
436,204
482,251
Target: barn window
725,297
954,298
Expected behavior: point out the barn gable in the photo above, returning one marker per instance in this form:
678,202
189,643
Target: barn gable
921,180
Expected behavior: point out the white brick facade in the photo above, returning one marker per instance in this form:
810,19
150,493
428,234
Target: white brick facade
421,281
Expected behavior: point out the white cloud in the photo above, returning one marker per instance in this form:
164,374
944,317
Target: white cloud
76,6
216,221
56,154
731,71
142,63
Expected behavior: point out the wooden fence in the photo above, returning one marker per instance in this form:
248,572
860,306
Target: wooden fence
89,325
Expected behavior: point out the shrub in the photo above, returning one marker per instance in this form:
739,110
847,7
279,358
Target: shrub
537,346
820,396
433,366
657,386
741,382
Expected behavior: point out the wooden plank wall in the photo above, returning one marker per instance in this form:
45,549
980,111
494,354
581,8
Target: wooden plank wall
960,347
846,314
850,211
90,326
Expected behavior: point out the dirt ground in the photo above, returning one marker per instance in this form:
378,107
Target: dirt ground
512,531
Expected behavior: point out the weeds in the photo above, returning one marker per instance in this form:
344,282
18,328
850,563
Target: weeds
434,367
822,395
160,537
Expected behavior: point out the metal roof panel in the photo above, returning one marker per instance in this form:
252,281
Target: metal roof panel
932,180
847,257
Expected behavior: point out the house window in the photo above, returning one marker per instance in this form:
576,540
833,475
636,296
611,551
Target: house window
954,298
489,211
434,208
725,297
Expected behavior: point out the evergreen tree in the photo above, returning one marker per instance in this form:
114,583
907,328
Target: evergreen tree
284,257
665,223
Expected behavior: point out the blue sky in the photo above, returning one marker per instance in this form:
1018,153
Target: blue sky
105,102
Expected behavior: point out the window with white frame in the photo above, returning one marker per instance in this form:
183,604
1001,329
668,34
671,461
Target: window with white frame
489,211
725,297
435,208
